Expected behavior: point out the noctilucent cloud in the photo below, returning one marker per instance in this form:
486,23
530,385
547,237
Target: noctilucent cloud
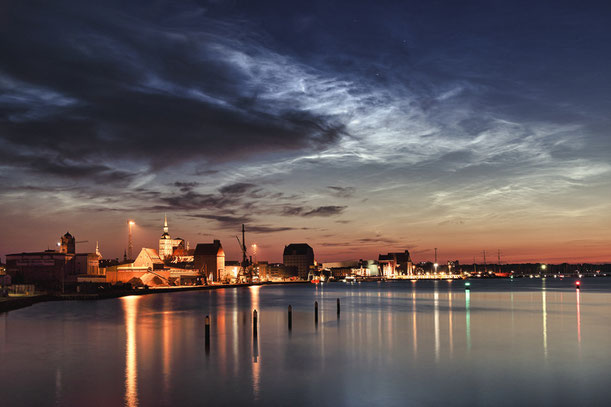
358,127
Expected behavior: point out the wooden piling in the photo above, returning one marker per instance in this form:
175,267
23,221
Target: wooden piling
338,309
290,317
316,312
254,323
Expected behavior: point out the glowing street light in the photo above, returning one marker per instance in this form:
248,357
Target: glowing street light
254,251
130,245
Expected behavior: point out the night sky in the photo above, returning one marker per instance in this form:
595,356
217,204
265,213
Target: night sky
358,127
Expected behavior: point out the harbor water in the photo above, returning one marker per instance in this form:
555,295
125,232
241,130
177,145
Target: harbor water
424,343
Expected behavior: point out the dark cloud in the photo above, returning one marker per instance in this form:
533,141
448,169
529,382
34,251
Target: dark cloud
191,200
366,241
235,222
268,229
342,192
105,82
225,221
185,186
237,188
326,211
377,240
291,210
49,165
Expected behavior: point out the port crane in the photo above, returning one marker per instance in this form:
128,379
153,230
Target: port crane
245,269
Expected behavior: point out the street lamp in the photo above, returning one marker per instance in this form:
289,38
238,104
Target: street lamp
254,251
130,245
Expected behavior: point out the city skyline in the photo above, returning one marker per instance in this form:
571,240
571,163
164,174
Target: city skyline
266,252
467,127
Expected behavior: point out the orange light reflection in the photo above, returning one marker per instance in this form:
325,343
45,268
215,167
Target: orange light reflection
130,308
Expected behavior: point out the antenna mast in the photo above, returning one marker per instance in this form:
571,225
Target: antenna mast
485,264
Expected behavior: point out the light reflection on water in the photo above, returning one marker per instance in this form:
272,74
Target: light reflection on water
468,318
544,304
130,306
256,363
393,344
578,321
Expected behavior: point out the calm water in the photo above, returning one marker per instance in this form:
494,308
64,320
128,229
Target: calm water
524,342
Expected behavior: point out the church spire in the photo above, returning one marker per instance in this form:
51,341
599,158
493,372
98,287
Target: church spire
165,223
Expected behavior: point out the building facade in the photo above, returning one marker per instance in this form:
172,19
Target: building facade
52,269
48,269
209,260
300,256
395,264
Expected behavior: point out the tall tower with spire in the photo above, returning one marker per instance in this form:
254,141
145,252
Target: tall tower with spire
165,242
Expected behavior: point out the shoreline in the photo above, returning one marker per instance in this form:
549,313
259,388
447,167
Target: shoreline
15,303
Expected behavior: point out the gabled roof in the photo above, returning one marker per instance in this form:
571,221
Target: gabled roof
153,255
208,249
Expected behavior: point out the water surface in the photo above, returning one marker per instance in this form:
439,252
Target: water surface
521,342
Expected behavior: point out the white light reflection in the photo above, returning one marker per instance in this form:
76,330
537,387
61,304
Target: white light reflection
468,318
436,313
450,321
130,308
544,305
235,333
578,320
414,323
256,365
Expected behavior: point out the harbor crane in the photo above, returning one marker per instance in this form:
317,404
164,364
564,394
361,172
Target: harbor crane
245,269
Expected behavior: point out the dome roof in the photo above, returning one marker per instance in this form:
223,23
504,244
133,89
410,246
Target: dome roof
68,235
166,235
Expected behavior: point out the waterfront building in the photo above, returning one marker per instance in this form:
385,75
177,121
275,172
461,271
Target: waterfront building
148,258
361,268
209,260
167,245
276,272
300,256
51,269
86,263
232,269
141,275
368,268
147,269
453,267
47,269
395,264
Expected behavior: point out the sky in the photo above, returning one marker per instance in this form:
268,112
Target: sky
357,127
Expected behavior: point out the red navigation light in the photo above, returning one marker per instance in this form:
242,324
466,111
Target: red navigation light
577,284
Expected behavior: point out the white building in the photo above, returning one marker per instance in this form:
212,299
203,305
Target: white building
167,245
